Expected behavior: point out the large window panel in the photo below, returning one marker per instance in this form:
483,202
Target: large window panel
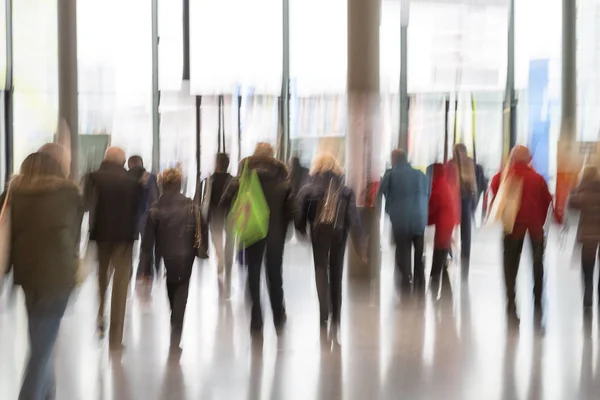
115,73
236,43
170,46
35,76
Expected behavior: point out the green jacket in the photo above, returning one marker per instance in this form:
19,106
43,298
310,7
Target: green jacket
46,216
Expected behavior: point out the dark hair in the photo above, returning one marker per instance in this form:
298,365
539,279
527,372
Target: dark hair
398,156
41,164
222,162
135,161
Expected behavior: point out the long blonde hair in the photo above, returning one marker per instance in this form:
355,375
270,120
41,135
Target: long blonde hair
325,162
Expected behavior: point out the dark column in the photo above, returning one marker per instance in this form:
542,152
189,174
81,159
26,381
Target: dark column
510,100
568,127
67,79
363,138
155,91
284,101
8,95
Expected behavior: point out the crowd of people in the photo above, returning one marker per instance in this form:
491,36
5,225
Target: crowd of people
125,205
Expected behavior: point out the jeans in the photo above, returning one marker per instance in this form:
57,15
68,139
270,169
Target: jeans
178,296
466,227
513,246
44,316
118,258
404,245
273,249
328,254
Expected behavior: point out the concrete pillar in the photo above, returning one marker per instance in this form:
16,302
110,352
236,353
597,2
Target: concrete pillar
67,80
363,135
568,126
404,100
155,91
510,100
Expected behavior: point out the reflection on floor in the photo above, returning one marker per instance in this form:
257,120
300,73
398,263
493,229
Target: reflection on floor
447,344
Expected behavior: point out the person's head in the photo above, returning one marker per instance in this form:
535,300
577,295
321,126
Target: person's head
60,154
589,173
222,162
39,164
520,155
326,162
264,150
171,179
135,161
460,151
398,157
115,155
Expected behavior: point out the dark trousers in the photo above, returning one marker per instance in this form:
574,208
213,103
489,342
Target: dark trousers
328,254
440,257
178,295
466,227
513,246
404,246
272,250
589,252
44,315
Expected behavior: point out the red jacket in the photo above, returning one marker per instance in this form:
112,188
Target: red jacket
442,210
535,201
452,178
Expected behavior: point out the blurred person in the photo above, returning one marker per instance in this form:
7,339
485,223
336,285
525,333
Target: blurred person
171,227
329,207
586,198
46,212
462,177
298,174
406,192
272,174
220,233
531,218
149,194
114,212
442,216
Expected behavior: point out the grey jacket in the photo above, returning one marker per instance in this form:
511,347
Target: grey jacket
586,198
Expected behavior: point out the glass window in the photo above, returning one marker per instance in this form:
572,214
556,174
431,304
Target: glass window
35,61
115,73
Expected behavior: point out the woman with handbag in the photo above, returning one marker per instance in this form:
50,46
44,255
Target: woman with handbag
172,229
46,212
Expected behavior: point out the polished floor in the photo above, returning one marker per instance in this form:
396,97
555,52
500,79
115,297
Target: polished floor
453,343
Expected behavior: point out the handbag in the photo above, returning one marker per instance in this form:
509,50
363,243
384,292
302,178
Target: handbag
5,235
200,242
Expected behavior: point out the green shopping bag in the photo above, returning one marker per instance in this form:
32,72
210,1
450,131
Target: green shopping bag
249,215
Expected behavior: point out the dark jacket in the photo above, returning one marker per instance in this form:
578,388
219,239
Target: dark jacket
298,175
535,200
171,227
406,192
586,197
46,217
347,219
272,174
113,199
149,194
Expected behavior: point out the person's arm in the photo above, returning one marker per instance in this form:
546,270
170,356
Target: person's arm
147,246
229,194
301,215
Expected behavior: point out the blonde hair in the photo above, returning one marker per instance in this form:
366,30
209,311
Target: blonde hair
60,154
264,149
326,162
589,173
115,155
171,177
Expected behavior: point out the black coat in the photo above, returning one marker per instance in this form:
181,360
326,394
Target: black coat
272,174
113,198
171,227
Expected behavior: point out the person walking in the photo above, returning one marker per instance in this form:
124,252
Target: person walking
46,214
535,199
406,192
149,195
461,175
298,174
329,207
272,174
586,198
442,216
171,228
220,232
113,198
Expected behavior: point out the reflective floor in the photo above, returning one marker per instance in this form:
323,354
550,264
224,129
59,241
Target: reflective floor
448,344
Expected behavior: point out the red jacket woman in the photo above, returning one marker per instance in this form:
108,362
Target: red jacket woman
442,214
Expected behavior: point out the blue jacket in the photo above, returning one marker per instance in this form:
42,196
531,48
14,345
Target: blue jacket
406,192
